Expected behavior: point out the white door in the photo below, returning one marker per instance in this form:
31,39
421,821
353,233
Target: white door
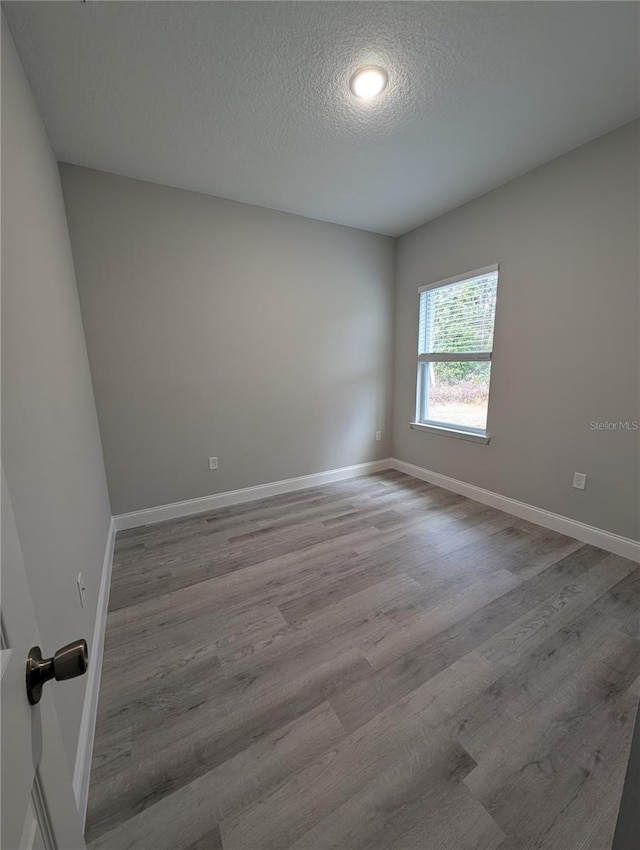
38,807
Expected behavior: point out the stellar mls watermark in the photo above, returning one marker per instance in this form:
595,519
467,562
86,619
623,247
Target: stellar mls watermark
615,425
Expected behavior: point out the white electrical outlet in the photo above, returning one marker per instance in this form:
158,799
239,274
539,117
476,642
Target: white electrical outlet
579,480
213,463
378,436
81,588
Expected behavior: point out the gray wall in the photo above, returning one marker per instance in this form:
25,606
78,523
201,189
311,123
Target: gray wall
221,329
566,337
50,441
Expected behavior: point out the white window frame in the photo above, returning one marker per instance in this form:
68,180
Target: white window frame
451,429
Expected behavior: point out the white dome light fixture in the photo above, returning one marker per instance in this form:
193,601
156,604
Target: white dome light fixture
368,83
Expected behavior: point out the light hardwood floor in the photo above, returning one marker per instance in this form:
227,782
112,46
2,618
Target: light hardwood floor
374,664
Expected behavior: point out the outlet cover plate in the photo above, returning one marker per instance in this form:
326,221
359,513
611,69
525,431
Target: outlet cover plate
579,480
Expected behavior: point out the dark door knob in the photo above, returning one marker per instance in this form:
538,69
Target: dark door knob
70,661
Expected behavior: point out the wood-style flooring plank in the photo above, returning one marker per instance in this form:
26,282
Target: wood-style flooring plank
191,813
406,731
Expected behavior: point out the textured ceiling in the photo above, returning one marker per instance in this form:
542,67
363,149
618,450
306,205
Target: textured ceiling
250,100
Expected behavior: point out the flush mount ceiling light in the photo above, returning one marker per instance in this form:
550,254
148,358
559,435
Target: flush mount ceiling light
368,83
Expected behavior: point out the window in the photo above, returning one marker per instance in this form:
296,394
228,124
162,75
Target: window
455,343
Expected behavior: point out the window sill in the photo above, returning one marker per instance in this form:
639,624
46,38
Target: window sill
452,432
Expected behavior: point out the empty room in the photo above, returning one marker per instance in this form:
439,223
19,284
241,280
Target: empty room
320,425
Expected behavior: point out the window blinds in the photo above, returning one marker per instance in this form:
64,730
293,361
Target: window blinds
457,318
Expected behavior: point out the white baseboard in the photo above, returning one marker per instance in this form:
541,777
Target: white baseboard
82,768
190,507
624,546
